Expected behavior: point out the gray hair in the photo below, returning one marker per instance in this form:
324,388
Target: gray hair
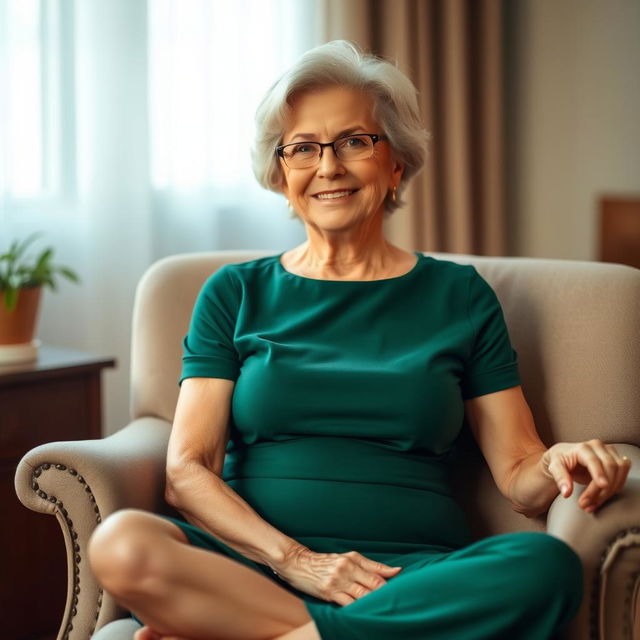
340,62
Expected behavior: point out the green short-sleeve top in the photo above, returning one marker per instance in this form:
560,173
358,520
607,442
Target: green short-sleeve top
347,370
390,360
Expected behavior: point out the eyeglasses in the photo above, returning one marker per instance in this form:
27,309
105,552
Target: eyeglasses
302,155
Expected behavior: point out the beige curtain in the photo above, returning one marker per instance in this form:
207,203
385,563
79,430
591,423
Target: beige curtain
451,50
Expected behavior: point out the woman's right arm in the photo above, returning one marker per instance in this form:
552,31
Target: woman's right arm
194,486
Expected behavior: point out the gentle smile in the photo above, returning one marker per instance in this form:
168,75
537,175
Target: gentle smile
333,195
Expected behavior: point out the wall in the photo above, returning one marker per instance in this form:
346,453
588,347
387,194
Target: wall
573,131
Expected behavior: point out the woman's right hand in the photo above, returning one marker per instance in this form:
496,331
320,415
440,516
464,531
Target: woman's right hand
335,577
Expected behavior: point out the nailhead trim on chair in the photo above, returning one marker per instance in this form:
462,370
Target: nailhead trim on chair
629,599
596,586
74,535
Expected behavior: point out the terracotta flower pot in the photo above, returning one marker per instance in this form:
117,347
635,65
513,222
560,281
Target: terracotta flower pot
19,326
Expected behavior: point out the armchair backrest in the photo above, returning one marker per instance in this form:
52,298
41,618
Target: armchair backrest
574,324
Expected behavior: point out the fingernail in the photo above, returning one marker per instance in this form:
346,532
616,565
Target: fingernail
564,488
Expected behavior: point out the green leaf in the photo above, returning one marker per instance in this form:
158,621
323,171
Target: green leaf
19,250
69,274
44,259
42,268
20,272
11,298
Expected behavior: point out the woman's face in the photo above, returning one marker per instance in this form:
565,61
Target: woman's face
322,116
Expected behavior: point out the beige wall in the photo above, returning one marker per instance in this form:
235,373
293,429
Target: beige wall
573,130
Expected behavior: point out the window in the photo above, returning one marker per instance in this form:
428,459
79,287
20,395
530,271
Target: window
36,98
209,67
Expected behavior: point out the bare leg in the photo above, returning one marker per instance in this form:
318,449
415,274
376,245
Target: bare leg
146,563
307,631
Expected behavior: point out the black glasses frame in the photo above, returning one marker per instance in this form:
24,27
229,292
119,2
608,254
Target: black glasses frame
374,138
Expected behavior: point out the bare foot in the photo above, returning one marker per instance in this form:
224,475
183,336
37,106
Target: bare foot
146,633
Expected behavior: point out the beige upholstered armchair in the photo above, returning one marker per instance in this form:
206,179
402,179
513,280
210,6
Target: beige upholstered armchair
576,328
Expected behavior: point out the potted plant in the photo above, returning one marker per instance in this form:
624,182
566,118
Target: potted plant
21,282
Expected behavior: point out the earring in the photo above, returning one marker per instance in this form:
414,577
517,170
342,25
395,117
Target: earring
393,194
292,211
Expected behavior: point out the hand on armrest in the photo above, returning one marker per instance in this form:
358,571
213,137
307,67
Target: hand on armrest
590,533
608,543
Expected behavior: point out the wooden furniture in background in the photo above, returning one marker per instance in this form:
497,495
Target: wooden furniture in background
620,230
56,397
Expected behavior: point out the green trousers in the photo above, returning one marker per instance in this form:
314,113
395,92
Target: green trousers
514,586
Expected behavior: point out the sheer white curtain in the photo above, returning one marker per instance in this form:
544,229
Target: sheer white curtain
209,67
125,129
36,134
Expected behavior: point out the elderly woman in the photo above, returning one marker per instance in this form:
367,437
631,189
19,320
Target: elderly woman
335,377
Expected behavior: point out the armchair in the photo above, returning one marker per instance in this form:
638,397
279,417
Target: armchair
575,327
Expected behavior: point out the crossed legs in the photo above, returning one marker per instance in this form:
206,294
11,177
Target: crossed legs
184,592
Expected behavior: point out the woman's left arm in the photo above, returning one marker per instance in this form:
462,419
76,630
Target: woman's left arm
529,474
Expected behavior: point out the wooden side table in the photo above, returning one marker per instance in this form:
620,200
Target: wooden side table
57,397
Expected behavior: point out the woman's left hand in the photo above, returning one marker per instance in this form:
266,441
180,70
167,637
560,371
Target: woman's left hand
592,462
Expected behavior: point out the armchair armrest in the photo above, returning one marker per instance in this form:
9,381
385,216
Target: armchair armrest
81,482
608,542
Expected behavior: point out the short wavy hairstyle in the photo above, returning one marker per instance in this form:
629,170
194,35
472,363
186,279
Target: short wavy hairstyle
342,63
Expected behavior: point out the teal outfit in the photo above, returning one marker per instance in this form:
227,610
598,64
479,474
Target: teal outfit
346,412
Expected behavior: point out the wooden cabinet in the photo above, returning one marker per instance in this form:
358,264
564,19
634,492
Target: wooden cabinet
57,397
